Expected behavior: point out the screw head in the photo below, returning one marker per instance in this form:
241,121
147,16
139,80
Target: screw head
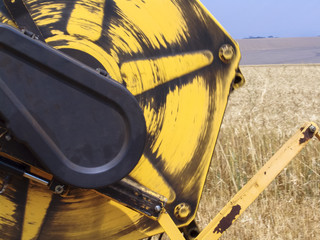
226,53
59,189
312,128
8,137
157,208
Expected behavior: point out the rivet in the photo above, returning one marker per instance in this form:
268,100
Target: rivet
157,208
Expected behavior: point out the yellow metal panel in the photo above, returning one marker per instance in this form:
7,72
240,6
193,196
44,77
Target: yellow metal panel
165,24
7,212
166,52
47,13
86,19
143,75
36,207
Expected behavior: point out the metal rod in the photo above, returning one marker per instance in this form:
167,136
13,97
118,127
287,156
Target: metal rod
36,178
20,170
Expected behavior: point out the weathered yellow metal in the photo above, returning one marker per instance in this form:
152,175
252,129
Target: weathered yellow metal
239,203
170,227
166,52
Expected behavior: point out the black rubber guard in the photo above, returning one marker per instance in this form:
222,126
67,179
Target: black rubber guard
86,129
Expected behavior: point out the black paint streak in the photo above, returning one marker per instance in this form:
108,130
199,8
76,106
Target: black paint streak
307,135
226,222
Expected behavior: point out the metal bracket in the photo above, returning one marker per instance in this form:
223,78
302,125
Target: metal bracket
135,196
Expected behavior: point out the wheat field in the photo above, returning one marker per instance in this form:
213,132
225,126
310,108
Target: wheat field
275,101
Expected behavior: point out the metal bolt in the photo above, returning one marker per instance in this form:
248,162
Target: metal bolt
8,137
182,210
226,53
157,208
59,189
312,129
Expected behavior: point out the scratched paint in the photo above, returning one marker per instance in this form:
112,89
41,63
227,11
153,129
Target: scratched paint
185,117
46,13
307,134
36,207
86,19
7,211
143,75
226,222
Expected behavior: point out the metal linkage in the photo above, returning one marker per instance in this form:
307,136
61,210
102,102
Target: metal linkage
259,182
135,196
13,168
20,170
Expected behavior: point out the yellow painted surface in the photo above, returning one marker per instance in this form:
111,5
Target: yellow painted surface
38,200
7,211
46,13
165,24
86,19
153,180
143,75
184,117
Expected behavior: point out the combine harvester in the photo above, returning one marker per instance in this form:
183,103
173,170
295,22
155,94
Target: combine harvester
109,114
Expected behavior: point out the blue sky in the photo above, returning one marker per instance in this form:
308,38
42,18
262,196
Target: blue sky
278,18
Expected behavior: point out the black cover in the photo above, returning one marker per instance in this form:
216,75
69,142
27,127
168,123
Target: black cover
86,129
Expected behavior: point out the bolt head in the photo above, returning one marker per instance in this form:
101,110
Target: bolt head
182,211
157,208
312,128
226,53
